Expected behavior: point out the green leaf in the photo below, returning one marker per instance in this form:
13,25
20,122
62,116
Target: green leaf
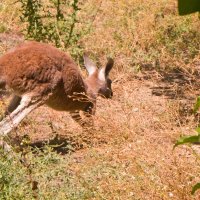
188,6
195,188
197,104
198,130
187,139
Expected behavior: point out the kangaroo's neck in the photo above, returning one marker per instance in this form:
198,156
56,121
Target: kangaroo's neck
79,90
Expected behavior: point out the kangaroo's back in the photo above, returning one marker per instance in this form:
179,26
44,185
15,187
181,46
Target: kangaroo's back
34,64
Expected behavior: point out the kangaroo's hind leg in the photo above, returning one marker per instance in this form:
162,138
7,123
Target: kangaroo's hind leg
20,107
27,104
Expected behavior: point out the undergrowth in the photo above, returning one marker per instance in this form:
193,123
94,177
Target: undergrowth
129,154
55,22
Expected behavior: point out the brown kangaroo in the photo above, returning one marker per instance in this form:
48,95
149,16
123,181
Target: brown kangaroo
39,73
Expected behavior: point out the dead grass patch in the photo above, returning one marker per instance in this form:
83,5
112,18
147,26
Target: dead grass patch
129,152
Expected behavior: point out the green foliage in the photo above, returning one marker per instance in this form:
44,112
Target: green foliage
191,140
188,6
35,174
46,175
13,178
188,139
179,39
197,105
53,21
195,188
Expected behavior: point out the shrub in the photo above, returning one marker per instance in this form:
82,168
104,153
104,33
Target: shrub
54,21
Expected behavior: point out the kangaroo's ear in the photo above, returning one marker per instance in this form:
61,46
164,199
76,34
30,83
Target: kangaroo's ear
89,64
104,72
109,66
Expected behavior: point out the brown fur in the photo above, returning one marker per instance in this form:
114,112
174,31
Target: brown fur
33,64
44,74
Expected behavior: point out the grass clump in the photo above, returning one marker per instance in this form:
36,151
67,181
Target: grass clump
33,174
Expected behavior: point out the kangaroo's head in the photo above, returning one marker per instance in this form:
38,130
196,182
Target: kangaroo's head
98,81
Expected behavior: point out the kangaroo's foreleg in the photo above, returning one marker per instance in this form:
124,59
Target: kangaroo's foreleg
84,119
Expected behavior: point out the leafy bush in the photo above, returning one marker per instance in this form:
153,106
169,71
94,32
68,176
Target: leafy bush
53,21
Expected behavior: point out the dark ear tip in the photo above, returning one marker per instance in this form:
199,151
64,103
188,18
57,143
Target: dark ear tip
109,66
110,62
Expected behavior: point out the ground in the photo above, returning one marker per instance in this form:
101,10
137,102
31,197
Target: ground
128,154
134,135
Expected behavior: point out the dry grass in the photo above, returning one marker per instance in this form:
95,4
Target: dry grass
129,152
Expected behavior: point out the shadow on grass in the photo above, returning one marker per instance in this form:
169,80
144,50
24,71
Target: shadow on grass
173,84
59,144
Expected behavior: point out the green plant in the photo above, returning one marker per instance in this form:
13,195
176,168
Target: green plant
186,7
191,139
180,39
54,21
197,105
33,174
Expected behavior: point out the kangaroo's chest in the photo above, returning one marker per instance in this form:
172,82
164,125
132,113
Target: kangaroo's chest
62,101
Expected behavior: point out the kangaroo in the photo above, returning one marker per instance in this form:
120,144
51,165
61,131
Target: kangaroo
39,73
